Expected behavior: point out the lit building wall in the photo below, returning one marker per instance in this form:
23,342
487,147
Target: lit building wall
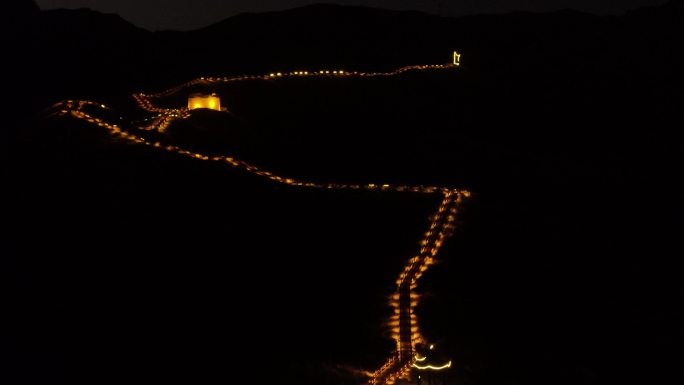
211,102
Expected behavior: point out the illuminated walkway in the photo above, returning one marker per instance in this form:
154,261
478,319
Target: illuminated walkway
403,323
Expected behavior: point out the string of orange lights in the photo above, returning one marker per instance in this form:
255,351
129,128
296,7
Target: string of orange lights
442,222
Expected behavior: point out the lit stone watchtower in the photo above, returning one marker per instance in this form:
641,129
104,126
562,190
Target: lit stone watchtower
197,101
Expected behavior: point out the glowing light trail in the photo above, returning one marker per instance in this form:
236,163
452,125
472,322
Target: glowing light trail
430,367
403,323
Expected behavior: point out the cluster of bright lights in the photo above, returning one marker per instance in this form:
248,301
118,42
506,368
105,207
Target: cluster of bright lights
166,116
442,222
395,368
441,226
145,100
198,101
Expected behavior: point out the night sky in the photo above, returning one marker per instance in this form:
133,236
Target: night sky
190,14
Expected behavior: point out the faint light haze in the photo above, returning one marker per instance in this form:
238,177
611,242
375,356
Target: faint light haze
192,14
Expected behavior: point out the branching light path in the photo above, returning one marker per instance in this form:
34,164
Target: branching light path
403,323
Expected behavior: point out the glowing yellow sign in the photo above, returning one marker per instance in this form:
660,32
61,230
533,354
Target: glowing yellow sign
457,59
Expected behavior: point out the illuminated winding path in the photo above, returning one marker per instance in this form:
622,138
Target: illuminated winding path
403,323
